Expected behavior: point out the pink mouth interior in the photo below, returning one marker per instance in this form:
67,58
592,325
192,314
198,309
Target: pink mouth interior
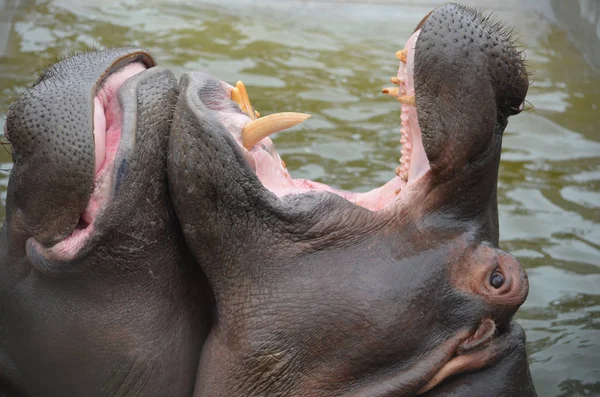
271,170
108,119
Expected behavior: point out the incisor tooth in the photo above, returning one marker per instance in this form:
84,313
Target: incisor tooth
395,80
394,91
401,55
407,100
256,130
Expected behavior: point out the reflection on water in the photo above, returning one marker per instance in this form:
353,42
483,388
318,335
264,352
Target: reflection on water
331,60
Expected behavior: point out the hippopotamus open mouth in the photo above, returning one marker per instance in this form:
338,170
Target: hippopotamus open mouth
252,136
83,149
98,292
251,133
401,287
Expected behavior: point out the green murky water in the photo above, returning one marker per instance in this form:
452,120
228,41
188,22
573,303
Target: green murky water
331,60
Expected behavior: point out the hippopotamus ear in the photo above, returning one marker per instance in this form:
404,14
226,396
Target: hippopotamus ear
512,367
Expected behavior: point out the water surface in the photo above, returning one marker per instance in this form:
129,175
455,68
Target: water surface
331,60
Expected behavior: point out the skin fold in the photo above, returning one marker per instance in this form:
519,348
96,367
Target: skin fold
317,296
124,310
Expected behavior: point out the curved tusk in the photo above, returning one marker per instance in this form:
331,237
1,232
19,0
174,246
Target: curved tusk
258,129
401,55
236,96
245,100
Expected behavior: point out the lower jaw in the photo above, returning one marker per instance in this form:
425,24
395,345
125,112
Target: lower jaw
73,245
278,181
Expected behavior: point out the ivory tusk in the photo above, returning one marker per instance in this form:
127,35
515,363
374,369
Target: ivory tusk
245,100
236,97
258,129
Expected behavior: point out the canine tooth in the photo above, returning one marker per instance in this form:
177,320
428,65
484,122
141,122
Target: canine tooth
395,80
245,105
258,129
256,114
401,55
394,91
407,100
236,97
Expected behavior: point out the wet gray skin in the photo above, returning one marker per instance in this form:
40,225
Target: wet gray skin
122,311
317,296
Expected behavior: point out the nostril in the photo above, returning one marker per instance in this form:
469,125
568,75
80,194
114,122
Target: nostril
497,280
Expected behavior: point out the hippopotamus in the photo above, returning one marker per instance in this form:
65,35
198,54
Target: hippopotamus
399,291
99,295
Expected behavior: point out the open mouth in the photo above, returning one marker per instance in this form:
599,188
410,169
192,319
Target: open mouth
469,350
252,135
108,124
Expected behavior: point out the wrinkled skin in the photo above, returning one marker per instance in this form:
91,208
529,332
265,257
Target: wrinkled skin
98,294
318,296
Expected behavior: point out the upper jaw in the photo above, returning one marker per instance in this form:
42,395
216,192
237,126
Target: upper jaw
469,78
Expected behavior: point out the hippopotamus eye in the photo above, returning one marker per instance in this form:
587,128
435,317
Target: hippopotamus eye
496,279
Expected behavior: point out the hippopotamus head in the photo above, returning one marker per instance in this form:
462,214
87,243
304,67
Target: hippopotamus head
322,292
97,292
